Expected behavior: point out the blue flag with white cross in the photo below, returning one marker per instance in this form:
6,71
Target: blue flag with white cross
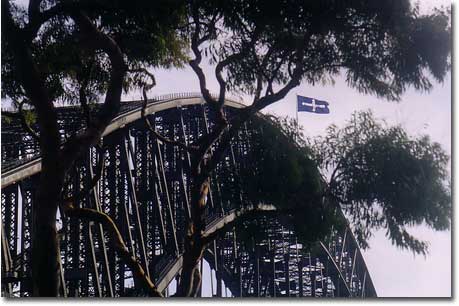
312,105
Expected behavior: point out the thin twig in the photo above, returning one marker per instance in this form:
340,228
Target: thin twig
99,170
20,115
85,74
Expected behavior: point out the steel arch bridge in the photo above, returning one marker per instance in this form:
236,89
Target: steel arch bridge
145,189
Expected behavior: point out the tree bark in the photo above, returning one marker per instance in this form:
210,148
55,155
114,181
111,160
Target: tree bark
194,243
56,161
45,242
194,250
45,245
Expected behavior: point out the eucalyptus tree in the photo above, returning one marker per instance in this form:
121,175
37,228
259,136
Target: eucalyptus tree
76,52
383,178
265,49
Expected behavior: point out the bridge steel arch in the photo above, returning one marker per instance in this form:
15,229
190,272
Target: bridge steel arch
145,189
277,264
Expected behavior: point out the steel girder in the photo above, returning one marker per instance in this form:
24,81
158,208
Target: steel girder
276,264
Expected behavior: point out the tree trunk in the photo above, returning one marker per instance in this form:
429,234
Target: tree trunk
194,249
45,242
194,243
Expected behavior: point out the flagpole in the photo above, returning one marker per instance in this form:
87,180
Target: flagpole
297,123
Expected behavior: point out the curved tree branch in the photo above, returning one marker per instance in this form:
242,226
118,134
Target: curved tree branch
91,135
89,214
196,41
164,139
99,171
62,8
34,10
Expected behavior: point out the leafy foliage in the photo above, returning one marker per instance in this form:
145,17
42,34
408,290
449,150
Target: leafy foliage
385,179
382,46
380,177
280,171
145,31
284,166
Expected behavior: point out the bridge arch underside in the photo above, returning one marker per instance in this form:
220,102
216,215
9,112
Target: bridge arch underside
274,263
145,189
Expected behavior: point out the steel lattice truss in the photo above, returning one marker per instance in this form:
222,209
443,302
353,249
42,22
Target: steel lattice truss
145,189
276,264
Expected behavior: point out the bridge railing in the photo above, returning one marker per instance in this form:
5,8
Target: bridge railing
162,97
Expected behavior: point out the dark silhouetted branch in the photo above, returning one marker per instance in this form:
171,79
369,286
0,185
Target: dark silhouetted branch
196,40
164,139
118,242
97,40
99,171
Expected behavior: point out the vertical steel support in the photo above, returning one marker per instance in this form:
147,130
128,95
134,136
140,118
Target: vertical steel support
299,265
145,185
135,205
156,189
163,180
96,278
286,263
7,265
257,271
351,286
238,259
364,284
342,248
273,261
63,286
111,200
313,276
219,267
188,159
214,251
124,198
102,245
10,217
300,278
287,273
26,236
